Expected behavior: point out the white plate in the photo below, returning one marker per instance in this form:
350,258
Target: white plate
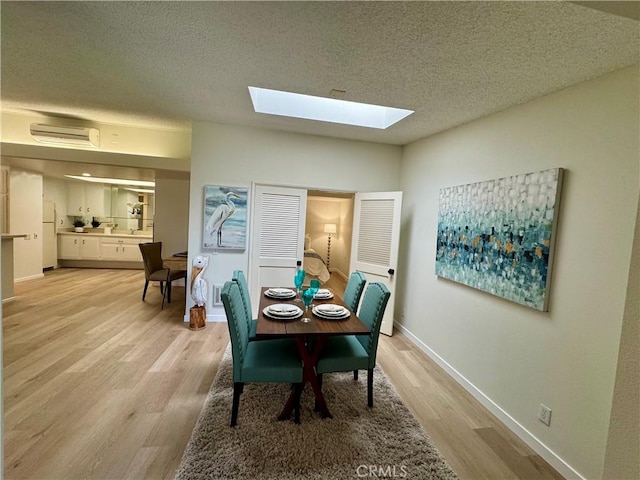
283,309
324,294
331,309
280,293
291,311
342,316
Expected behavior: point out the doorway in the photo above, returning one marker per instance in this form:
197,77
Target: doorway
328,232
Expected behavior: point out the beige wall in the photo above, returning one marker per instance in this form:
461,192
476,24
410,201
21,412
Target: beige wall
321,210
26,217
168,148
622,460
171,221
512,357
231,155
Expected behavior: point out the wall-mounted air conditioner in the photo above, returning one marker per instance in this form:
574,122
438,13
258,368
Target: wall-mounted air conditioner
82,136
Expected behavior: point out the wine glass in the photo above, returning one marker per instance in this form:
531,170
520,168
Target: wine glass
314,286
307,298
298,280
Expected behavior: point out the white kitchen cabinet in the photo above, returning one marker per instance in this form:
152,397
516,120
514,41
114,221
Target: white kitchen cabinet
94,200
76,247
85,200
68,247
75,199
105,248
122,249
110,251
131,252
90,248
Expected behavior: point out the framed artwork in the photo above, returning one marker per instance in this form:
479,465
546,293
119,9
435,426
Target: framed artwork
498,235
225,217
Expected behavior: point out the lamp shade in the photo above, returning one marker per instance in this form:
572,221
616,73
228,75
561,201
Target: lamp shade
330,228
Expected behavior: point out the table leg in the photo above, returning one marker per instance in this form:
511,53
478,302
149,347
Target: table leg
309,361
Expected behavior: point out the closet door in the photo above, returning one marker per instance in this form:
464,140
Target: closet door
277,239
375,243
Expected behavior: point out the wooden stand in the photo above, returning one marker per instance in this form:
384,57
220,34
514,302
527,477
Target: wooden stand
197,318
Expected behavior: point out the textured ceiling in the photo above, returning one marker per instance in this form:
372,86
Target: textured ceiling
169,63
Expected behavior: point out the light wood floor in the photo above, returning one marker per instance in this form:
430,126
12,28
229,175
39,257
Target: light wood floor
99,385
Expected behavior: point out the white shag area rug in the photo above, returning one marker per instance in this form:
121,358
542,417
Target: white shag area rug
385,441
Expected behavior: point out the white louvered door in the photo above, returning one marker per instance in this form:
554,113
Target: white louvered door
375,243
277,237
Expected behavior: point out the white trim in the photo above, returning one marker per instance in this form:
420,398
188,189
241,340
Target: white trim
217,318
30,277
339,272
511,423
210,318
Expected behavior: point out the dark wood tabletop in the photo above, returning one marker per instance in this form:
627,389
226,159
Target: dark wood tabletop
274,328
318,330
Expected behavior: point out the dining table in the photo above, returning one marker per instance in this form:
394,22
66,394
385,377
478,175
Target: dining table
310,338
175,262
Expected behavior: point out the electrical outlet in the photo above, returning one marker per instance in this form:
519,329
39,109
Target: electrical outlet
404,312
544,414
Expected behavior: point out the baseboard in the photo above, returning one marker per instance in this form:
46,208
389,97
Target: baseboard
216,318
525,435
335,270
30,277
215,313
101,264
210,318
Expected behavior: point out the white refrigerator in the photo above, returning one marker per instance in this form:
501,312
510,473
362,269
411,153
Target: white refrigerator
49,243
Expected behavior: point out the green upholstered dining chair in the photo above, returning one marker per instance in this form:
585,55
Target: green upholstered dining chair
241,280
154,270
271,361
353,290
357,352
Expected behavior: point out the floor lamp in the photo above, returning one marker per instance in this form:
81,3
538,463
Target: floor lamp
329,228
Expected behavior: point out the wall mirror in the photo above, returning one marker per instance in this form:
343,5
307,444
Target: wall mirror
129,208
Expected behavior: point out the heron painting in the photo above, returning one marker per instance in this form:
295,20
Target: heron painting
225,217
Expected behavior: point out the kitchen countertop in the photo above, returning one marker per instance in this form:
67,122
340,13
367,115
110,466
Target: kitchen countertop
13,235
117,235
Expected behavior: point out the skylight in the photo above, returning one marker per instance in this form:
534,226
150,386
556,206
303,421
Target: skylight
323,109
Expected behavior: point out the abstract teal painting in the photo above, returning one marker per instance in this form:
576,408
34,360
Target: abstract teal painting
498,235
